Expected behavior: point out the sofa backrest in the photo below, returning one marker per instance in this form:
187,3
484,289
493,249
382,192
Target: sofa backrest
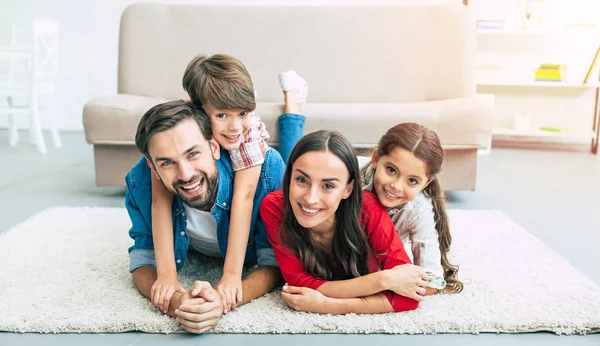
401,53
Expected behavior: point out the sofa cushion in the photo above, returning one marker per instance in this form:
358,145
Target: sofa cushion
462,122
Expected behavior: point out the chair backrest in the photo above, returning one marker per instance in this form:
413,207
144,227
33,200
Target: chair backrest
18,70
45,49
10,75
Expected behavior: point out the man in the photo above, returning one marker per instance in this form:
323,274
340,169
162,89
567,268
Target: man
176,140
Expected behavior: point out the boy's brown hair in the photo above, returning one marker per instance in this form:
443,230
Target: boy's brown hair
220,80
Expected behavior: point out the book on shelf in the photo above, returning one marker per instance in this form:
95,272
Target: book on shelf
554,129
581,26
491,24
550,73
553,66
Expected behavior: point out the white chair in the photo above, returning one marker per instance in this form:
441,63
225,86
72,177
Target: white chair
41,71
10,75
11,87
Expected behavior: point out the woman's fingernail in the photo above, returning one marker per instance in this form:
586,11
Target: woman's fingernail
285,288
182,308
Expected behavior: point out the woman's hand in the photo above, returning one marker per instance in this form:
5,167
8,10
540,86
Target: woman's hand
407,280
305,299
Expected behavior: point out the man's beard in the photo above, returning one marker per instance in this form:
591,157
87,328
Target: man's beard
203,201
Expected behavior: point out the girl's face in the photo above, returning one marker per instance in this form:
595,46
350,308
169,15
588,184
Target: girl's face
399,177
318,184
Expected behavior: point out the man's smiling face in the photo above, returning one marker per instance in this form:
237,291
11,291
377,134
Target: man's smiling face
185,163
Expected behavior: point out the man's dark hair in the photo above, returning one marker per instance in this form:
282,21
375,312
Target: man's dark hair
165,116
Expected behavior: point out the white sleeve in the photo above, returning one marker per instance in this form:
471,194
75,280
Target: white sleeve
425,245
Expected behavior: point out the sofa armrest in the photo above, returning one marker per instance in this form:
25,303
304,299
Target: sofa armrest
113,119
466,121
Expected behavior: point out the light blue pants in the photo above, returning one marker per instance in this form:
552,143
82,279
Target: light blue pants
291,129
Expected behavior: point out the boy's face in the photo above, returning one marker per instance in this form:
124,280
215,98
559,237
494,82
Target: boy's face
228,125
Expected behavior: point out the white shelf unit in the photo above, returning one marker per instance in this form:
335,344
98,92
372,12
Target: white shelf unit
507,60
535,32
483,32
540,84
543,136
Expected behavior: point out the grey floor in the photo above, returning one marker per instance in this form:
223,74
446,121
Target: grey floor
554,195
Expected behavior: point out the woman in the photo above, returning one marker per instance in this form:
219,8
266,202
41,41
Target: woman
336,245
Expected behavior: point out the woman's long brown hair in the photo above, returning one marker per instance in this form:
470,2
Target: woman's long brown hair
350,248
425,145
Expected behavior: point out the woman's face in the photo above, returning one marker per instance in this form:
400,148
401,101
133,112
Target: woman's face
318,183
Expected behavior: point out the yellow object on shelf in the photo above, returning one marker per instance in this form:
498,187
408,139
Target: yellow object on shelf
551,72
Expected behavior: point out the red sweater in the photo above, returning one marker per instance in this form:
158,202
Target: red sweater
377,226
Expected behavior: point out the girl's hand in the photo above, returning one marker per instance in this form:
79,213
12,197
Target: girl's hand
304,299
163,289
230,290
407,280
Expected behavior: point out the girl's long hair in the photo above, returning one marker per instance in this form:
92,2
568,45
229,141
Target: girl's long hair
350,248
425,145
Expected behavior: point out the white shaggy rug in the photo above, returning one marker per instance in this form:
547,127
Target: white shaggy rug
66,270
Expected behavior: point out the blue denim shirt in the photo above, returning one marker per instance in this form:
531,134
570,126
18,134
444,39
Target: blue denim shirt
138,202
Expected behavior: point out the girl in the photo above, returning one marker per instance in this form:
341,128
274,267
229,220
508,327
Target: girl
403,174
336,247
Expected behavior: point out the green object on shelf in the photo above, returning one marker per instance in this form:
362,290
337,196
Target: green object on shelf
550,129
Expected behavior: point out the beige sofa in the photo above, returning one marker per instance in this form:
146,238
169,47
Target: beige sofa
368,68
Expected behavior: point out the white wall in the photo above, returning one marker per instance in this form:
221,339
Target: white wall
89,42
87,49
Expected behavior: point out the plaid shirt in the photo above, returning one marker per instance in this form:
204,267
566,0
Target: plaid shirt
254,148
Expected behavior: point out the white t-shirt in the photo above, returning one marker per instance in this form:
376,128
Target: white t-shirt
202,230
